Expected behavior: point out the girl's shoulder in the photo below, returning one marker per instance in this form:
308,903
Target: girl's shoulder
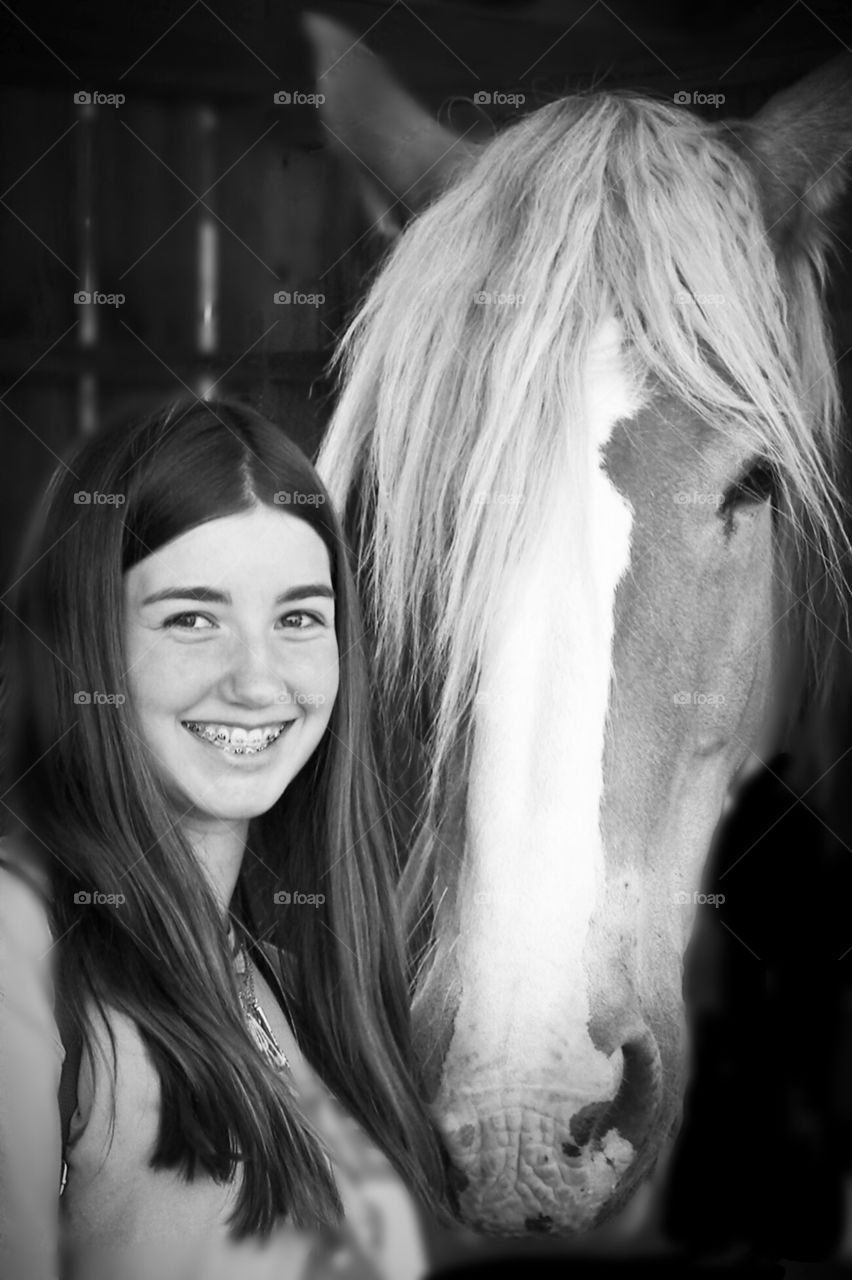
26,945
31,1061
30,1068
25,929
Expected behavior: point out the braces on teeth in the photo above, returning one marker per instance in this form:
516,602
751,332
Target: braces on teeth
238,742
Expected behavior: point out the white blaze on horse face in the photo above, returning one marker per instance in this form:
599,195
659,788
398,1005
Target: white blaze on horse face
534,861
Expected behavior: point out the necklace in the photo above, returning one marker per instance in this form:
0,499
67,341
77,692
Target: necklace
256,1020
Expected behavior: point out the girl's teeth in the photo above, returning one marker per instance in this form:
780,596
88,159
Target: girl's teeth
238,740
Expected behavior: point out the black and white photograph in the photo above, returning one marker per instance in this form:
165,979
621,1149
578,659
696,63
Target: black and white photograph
426,639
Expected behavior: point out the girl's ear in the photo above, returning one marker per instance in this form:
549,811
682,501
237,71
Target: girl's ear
402,156
799,147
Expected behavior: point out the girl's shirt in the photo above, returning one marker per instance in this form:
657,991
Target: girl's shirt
118,1216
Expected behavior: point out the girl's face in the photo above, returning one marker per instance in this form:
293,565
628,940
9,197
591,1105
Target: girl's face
232,659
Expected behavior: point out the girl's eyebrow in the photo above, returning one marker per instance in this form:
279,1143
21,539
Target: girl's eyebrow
211,596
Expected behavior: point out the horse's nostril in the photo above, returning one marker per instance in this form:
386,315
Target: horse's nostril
589,1123
540,1225
634,1107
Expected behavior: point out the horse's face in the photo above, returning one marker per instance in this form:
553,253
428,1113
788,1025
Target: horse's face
626,682
629,644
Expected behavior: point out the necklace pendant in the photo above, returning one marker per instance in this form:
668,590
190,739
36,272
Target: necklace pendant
257,1022
265,1041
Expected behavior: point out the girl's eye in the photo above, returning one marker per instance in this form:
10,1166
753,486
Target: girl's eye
300,621
178,622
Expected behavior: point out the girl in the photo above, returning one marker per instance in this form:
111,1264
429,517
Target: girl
189,778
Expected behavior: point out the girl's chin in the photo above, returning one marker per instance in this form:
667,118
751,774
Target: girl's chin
243,800
202,816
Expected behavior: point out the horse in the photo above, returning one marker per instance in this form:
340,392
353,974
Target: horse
587,445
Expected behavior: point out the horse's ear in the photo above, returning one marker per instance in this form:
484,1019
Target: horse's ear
404,158
798,144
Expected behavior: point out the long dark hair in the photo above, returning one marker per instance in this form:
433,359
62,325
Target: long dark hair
81,790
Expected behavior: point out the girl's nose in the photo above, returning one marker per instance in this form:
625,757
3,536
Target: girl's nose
254,675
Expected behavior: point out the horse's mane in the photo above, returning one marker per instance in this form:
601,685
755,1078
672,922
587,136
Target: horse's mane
595,205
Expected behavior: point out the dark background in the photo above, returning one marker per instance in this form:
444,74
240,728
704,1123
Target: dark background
107,198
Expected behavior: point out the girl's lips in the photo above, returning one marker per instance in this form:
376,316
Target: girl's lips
251,743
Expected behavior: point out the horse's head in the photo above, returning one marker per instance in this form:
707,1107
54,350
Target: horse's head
589,407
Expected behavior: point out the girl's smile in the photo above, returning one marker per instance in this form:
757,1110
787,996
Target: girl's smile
237,740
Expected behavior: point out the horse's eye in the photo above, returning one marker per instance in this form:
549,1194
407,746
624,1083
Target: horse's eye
757,484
